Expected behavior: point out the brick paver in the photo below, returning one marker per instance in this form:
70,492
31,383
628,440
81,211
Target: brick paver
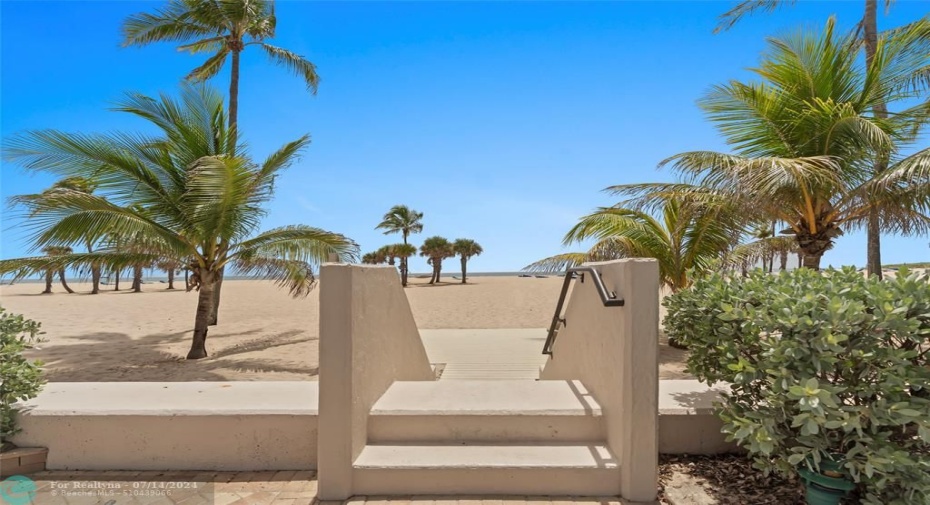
231,488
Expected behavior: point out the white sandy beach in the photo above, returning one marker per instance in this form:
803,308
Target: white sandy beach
263,334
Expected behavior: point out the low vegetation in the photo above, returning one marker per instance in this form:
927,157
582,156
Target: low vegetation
820,365
20,378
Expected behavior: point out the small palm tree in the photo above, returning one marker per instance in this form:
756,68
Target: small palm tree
56,250
466,249
404,252
804,138
170,266
870,43
436,249
406,221
686,237
34,203
181,193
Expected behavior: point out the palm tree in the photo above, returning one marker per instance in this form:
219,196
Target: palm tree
869,28
182,192
684,236
466,249
436,249
406,221
404,252
170,266
33,204
805,136
224,28
56,251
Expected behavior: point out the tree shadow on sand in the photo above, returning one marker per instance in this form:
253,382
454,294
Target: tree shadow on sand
116,357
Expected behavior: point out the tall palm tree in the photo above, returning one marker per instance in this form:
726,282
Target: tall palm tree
805,136
684,236
182,192
868,26
466,249
406,221
223,28
436,249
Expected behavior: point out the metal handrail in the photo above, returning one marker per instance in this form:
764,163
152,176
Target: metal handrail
608,298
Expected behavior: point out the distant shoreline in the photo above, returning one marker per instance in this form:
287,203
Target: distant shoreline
180,277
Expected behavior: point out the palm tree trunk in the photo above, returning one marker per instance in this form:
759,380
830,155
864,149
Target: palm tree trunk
116,281
137,278
202,319
187,281
784,261
873,228
233,129
403,272
438,269
215,310
464,261
61,277
812,261
171,278
800,259
49,277
95,279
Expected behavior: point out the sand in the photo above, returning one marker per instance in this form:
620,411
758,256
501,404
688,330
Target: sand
263,334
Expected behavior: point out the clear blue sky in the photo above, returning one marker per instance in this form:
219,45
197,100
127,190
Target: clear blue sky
500,121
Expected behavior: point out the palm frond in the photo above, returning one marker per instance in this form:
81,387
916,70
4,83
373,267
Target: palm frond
295,63
210,68
747,8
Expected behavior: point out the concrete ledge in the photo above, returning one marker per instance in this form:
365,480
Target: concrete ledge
230,426
687,422
223,426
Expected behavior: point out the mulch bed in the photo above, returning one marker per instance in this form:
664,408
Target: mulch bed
731,480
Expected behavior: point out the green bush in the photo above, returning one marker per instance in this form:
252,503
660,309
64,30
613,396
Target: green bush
820,365
20,379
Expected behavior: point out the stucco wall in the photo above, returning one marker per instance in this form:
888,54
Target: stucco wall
368,339
614,352
174,425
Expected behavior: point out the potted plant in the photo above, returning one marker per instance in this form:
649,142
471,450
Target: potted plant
828,486
20,379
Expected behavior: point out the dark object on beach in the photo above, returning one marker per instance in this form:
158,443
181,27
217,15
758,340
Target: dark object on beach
542,276
525,275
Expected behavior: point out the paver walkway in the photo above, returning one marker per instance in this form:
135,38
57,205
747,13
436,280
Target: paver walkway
486,354
221,488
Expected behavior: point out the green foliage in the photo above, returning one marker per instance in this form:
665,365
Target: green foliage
20,379
686,236
819,365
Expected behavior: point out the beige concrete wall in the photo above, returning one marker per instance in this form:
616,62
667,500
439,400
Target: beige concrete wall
614,352
225,442
173,425
368,340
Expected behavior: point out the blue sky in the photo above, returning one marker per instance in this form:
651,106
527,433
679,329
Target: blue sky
500,121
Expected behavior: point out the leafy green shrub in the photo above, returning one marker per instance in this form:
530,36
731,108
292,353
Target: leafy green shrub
820,364
20,379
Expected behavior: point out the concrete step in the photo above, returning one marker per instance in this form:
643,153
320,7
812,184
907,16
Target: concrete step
485,411
555,469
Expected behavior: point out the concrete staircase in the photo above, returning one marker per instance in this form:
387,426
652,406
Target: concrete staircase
517,437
